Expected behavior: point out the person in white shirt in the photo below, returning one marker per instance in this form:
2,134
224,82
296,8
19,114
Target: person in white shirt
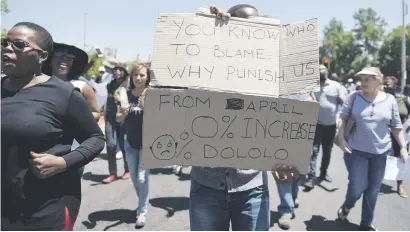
101,72
330,97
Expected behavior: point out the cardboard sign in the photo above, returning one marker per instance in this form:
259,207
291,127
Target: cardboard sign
215,129
251,56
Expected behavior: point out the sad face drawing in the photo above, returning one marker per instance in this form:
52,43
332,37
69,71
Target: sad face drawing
164,147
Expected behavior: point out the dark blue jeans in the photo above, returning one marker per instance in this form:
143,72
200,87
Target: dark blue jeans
366,173
114,134
213,209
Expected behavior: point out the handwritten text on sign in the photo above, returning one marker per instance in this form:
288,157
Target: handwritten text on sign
211,129
240,55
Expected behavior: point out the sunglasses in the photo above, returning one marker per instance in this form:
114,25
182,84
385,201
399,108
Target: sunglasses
66,55
115,69
18,44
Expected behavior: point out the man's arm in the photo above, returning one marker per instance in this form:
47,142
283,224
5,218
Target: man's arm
340,95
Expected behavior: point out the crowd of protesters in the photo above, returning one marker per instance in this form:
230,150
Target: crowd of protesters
50,132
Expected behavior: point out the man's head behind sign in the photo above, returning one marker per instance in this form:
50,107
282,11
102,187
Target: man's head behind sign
243,11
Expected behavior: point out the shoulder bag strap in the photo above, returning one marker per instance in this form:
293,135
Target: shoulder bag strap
353,101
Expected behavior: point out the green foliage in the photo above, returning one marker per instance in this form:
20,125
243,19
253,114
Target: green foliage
340,47
3,33
4,7
93,71
369,30
390,52
351,50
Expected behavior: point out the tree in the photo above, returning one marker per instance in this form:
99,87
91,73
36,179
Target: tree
369,31
3,33
93,71
390,53
340,47
4,7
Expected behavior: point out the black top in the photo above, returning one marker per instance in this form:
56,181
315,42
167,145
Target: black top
133,122
44,118
111,105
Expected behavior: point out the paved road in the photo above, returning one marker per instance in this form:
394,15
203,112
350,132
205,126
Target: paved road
111,207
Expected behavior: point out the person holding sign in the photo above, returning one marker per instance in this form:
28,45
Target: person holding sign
223,196
131,113
113,129
367,117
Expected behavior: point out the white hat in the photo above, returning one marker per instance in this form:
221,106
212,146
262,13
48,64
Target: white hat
350,80
101,69
110,62
372,71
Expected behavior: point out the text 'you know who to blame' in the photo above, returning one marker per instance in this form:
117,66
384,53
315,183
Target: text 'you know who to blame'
246,56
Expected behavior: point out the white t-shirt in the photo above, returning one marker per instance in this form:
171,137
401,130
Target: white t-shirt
106,78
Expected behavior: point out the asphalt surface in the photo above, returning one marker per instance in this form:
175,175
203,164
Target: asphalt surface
111,207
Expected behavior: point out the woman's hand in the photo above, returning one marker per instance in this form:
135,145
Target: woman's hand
285,174
404,154
220,14
344,145
142,98
124,109
45,165
117,97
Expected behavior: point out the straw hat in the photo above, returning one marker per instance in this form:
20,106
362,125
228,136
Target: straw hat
371,71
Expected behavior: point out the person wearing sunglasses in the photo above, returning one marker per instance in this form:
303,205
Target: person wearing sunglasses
41,185
68,63
114,132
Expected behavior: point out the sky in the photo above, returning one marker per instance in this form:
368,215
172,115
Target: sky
129,25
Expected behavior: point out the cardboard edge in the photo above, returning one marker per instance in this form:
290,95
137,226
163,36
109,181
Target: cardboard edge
301,21
255,20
